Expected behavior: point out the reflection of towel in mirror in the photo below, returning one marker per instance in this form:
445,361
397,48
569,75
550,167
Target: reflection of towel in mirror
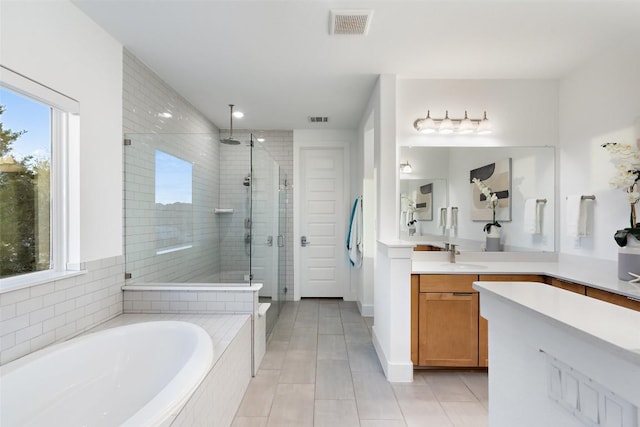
354,237
532,216
452,218
576,217
443,218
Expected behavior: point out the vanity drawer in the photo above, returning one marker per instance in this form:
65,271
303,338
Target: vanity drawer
511,278
568,286
447,282
612,298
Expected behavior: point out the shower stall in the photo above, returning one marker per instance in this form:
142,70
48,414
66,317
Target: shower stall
200,211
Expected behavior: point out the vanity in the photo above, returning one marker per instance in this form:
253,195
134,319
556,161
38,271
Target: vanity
447,329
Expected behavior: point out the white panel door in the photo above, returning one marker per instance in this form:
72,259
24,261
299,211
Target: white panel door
323,261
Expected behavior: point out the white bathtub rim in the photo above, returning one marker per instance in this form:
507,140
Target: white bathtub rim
179,390
193,287
204,363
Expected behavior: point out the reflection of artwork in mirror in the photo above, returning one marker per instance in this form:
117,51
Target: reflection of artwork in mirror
174,207
497,176
424,202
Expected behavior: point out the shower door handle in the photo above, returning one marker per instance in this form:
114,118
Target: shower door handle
280,240
304,242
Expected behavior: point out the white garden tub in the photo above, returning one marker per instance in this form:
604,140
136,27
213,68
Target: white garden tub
134,375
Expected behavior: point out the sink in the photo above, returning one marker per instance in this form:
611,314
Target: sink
463,266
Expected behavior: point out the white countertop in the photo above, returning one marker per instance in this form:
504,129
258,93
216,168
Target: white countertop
597,274
620,334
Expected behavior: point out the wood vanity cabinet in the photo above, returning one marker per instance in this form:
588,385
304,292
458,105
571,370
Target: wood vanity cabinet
483,325
612,298
447,325
568,286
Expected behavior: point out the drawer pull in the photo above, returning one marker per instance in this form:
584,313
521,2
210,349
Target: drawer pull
633,299
462,294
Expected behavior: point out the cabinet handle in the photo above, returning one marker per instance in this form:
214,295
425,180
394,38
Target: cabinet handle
462,294
633,299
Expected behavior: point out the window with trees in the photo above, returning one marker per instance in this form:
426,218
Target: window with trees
25,184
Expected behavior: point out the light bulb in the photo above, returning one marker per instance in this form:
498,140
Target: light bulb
484,127
446,126
466,125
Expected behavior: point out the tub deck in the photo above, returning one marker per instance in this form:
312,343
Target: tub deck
221,327
219,395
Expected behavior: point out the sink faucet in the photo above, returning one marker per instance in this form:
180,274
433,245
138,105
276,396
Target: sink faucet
452,253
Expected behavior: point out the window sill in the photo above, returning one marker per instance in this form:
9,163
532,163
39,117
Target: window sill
33,279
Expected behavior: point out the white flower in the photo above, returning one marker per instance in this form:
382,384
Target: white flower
634,197
624,177
492,198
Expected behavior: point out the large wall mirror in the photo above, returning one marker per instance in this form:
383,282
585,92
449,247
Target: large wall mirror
440,199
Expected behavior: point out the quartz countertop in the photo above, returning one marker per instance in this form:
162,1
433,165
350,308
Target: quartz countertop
567,310
599,275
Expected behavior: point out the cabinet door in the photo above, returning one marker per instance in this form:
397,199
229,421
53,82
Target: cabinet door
483,342
448,325
415,292
612,298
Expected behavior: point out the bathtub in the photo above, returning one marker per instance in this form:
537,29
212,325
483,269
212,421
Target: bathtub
134,375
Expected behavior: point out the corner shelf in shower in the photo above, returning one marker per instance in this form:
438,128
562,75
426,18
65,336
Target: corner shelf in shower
222,210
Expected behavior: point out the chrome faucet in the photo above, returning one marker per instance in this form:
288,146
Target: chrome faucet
452,253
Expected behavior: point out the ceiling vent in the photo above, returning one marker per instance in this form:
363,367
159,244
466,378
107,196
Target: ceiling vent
318,119
350,22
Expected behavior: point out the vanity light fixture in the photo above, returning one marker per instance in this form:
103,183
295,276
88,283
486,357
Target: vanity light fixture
445,126
406,168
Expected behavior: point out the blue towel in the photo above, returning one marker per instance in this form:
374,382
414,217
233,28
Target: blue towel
354,236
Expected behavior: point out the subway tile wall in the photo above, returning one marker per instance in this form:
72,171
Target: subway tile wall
34,317
279,145
187,134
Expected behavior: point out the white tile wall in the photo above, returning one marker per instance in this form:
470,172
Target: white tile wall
209,301
279,145
189,135
35,317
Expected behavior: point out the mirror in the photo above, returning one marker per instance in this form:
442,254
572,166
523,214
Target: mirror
517,174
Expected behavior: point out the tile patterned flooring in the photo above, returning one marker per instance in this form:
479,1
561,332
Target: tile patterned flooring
321,370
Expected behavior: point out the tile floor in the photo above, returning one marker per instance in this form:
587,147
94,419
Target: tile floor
321,369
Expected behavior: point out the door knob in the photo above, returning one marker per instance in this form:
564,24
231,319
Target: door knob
304,242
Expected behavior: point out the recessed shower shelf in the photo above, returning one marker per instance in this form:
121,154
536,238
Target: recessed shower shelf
222,210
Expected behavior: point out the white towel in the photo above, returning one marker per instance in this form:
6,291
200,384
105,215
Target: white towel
532,216
452,218
576,217
443,218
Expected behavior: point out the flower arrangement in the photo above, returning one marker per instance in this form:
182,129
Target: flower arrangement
627,177
492,203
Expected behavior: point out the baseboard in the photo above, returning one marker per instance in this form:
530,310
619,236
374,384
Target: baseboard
366,310
395,372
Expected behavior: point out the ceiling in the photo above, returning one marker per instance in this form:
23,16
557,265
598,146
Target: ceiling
276,61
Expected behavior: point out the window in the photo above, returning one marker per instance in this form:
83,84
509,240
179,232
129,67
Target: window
174,207
35,124
25,185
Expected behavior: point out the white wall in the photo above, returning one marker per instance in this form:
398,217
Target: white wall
522,112
599,103
56,45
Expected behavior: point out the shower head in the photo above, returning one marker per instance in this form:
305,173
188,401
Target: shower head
230,140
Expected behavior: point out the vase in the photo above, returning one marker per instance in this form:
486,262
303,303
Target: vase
629,259
492,243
